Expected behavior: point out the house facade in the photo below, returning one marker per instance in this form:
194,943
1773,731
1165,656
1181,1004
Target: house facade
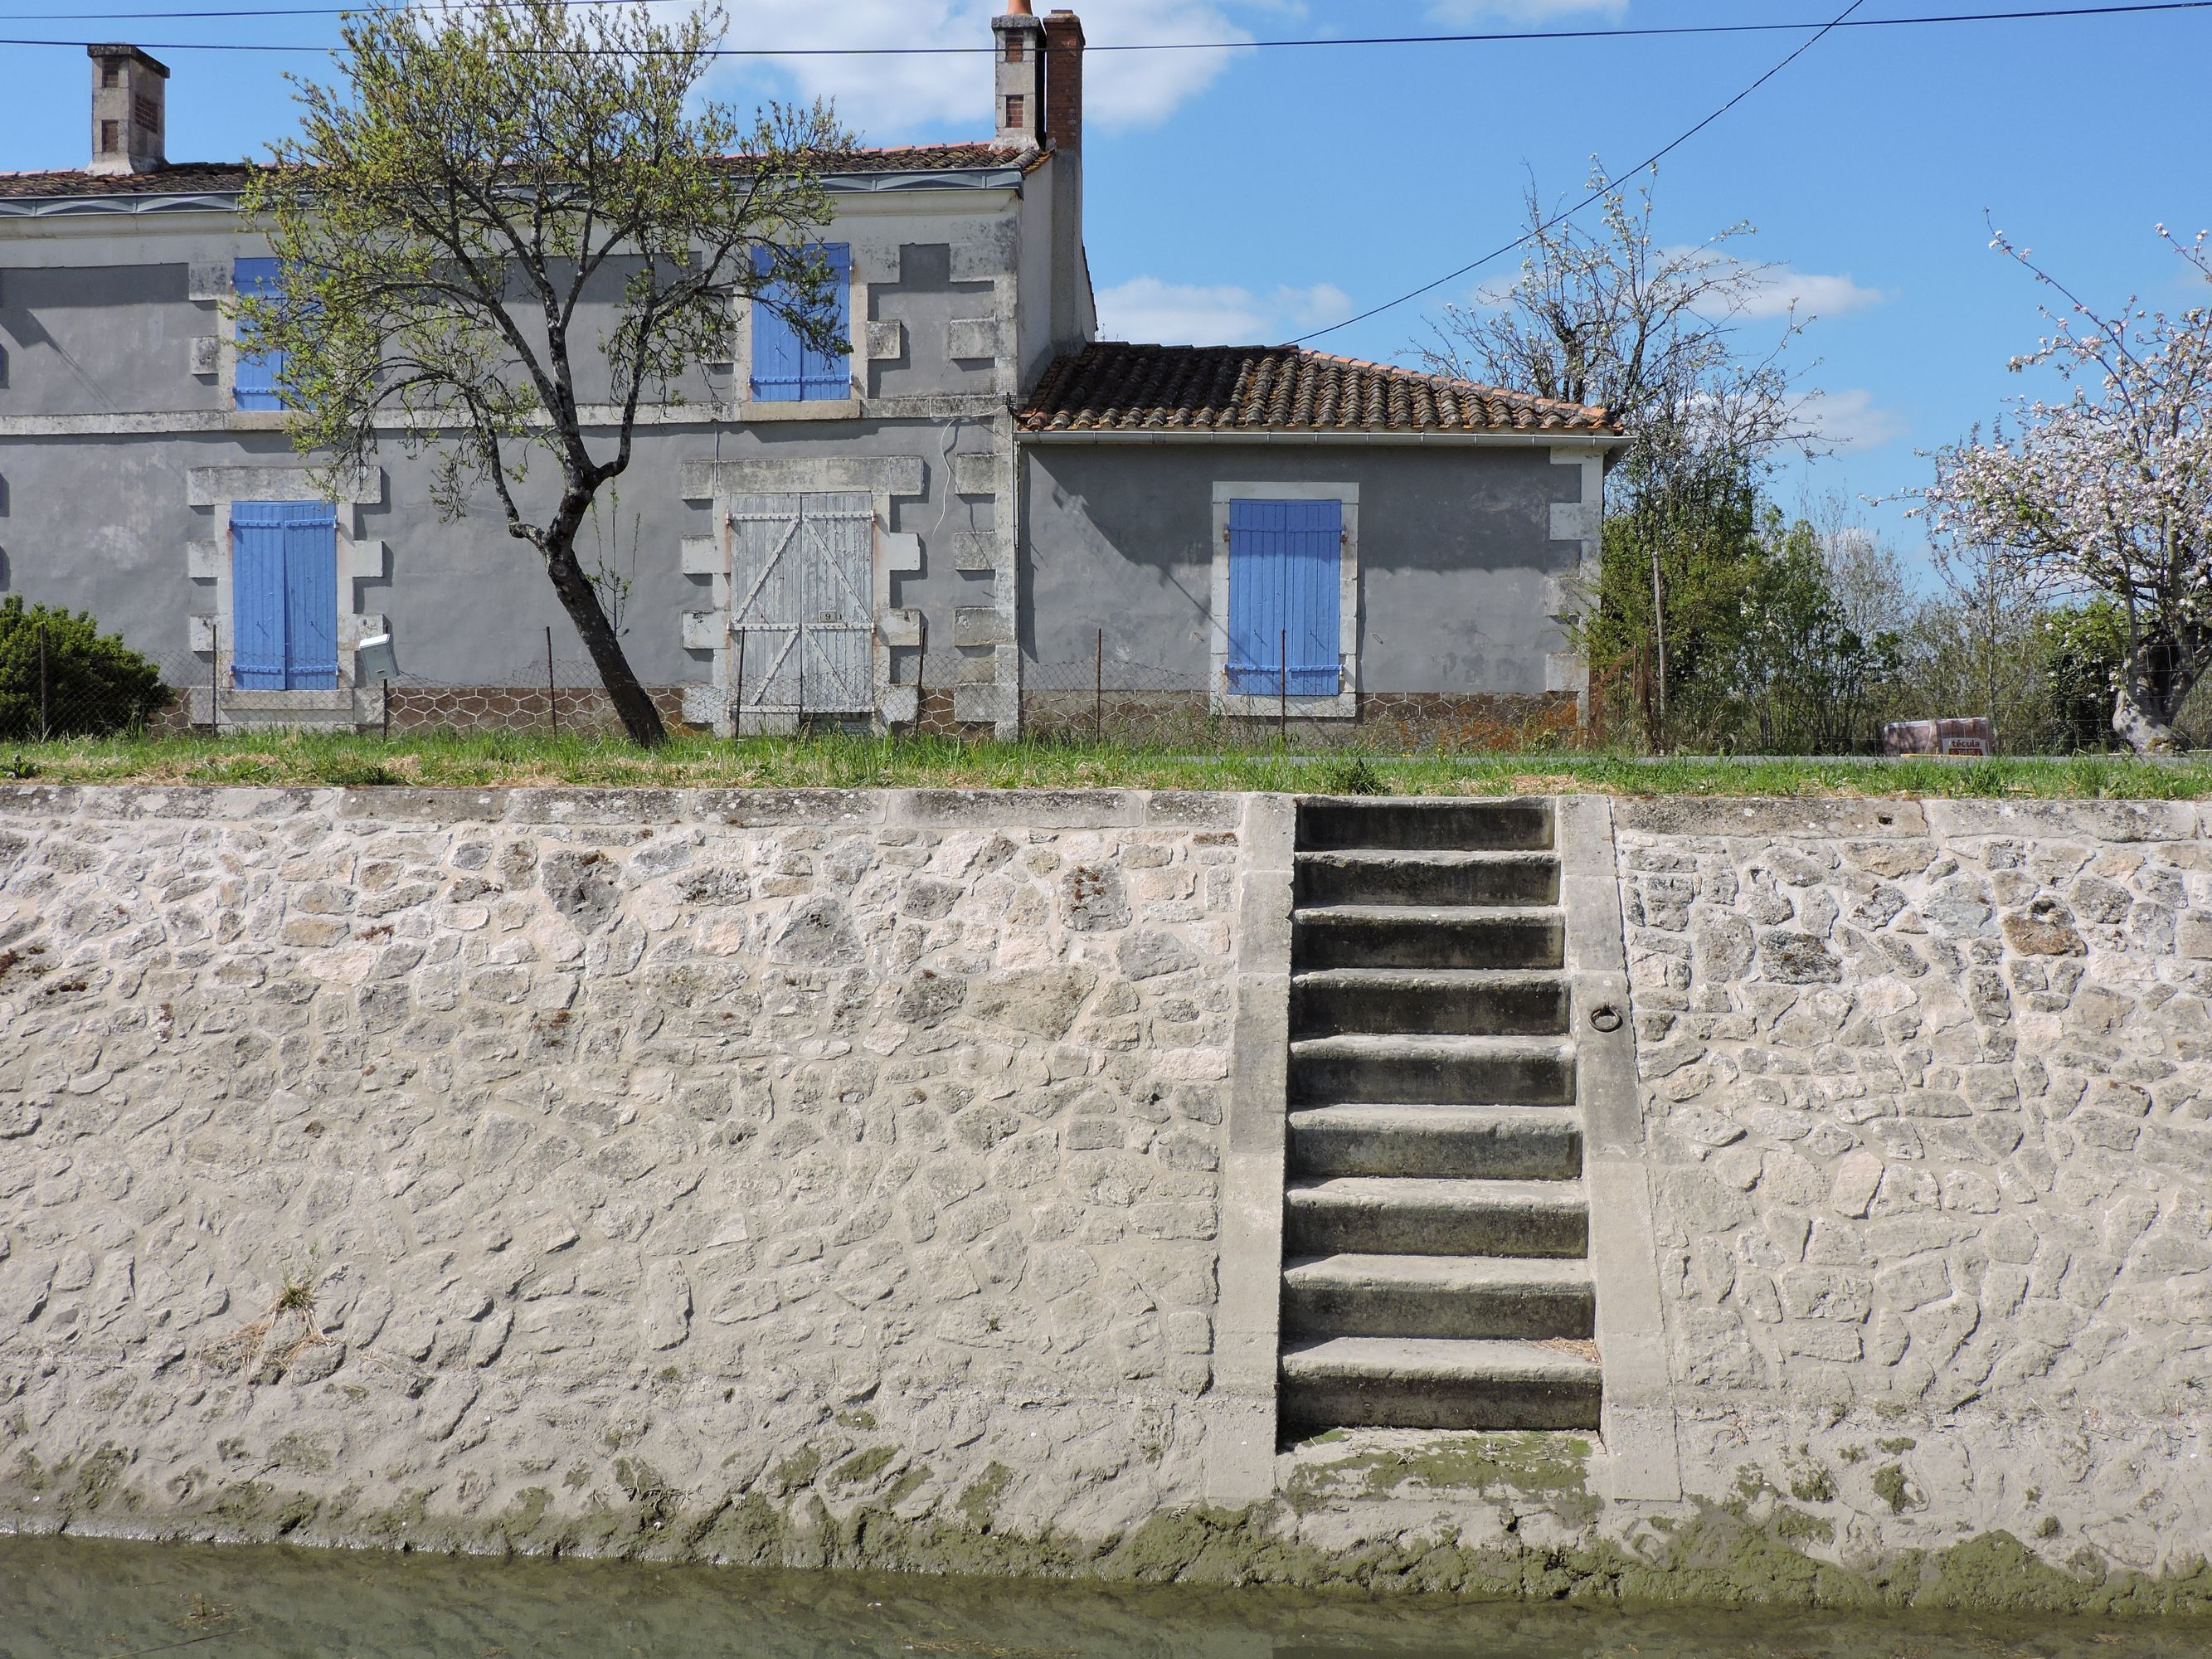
936,527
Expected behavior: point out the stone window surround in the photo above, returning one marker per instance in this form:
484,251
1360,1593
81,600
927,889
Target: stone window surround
214,488
875,261
1345,705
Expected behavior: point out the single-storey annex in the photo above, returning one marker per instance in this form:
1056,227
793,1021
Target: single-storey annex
970,519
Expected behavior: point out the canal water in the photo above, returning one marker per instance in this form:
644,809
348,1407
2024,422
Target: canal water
73,1599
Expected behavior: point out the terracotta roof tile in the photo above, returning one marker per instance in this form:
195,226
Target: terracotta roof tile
195,178
1112,387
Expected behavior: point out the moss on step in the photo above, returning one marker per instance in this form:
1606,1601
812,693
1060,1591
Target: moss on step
1551,1469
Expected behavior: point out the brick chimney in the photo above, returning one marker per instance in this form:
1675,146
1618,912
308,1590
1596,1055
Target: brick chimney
1063,79
129,91
1019,38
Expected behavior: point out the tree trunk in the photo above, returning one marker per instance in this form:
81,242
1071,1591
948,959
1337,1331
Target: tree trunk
582,601
2141,729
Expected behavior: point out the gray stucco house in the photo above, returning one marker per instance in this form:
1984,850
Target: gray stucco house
979,496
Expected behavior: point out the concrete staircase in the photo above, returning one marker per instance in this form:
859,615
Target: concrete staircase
1435,1225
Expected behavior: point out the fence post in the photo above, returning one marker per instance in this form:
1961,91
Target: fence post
552,708
214,679
388,708
45,715
1283,689
737,693
799,645
1098,691
921,685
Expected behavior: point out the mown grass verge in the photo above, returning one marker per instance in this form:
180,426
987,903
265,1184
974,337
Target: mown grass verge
506,760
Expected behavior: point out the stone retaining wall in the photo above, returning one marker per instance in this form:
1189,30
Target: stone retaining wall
1927,1102
894,1179
533,1166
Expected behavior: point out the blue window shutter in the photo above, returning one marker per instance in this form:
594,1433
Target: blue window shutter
829,374
284,595
311,601
254,384
779,368
786,369
256,596
1286,603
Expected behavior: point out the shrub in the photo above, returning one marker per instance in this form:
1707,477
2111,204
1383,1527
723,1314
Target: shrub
93,683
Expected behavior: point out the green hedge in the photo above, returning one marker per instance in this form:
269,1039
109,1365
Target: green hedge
60,677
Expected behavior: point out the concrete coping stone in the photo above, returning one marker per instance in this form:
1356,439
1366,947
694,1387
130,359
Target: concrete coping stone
421,805
1076,809
2088,820
1036,809
1770,819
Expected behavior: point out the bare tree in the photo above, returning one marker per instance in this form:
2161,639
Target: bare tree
2108,492
443,215
1608,316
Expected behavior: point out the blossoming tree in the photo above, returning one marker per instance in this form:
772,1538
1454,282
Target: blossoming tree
2107,492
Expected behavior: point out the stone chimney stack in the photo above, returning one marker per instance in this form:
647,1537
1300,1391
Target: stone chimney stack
128,93
1063,81
1019,38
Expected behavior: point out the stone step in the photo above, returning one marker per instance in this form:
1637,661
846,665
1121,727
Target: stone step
1357,1382
1327,825
1390,1215
1424,936
1432,878
1437,1001
1495,1143
1443,1071
1458,1297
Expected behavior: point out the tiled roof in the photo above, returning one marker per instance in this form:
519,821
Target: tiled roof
185,179
1112,387
197,178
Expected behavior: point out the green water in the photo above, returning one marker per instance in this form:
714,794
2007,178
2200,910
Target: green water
72,1599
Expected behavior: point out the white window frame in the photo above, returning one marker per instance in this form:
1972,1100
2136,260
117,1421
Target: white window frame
1345,705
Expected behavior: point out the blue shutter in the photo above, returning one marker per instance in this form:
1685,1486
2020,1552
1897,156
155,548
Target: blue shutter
254,384
1286,603
829,374
284,596
779,369
310,601
785,369
256,596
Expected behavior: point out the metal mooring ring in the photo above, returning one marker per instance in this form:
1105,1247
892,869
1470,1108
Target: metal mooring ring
1606,1016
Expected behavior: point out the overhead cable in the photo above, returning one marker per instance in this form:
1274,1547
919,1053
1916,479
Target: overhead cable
1596,195
2125,7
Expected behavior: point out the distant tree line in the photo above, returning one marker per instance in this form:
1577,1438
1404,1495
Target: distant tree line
2071,558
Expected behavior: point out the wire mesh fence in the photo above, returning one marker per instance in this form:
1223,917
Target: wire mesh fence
60,679
60,683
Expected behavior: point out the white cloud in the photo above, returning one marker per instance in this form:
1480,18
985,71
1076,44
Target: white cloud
1851,420
1810,293
1154,313
1775,290
890,98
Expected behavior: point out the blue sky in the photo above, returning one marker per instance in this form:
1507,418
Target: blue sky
1258,194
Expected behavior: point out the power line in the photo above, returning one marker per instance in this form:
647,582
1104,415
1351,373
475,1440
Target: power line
1612,183
1493,37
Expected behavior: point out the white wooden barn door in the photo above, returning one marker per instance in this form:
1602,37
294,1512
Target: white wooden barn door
802,619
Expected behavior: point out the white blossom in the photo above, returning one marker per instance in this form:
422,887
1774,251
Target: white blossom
2109,492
